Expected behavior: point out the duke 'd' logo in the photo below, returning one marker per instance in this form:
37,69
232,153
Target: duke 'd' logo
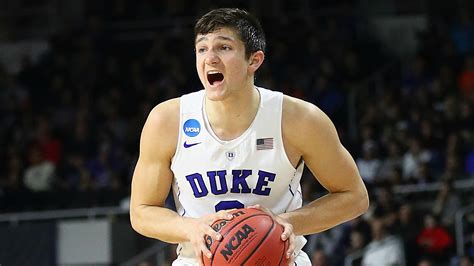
191,127
236,240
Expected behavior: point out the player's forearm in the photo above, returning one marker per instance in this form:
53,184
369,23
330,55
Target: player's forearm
158,222
327,212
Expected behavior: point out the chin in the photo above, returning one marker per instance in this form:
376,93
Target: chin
215,96
216,93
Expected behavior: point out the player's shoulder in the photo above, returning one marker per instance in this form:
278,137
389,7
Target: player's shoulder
297,111
161,130
165,112
304,125
163,121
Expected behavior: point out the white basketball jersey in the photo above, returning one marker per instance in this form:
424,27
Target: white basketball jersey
211,174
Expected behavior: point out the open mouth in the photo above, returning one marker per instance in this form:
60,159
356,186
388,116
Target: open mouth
215,77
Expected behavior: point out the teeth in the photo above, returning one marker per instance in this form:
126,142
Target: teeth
213,72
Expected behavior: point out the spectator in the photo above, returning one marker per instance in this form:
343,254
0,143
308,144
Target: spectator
384,249
391,162
425,262
413,158
385,206
466,78
50,145
434,240
356,246
39,175
369,163
357,233
325,241
319,258
408,228
465,261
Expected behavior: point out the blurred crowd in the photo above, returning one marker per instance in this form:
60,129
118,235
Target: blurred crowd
416,128
71,121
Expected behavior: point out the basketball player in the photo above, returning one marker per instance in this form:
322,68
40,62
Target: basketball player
235,145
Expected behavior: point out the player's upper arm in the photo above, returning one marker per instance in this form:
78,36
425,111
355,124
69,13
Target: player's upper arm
152,177
312,134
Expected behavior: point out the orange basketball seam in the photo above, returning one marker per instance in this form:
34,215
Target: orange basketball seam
233,226
261,241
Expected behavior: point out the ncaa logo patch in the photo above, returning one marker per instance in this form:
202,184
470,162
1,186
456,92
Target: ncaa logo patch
191,127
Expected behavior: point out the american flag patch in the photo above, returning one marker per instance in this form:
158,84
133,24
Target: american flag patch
265,144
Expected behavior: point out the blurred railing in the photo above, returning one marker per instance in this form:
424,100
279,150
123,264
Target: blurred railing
62,214
459,228
463,184
154,255
40,237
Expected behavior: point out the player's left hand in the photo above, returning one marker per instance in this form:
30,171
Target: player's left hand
287,234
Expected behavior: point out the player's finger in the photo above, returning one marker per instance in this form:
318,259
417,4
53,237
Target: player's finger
212,233
198,254
291,246
287,231
200,259
256,206
201,263
224,215
203,248
292,260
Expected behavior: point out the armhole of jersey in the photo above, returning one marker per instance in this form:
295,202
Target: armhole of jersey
280,125
177,152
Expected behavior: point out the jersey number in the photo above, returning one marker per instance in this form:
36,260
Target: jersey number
229,204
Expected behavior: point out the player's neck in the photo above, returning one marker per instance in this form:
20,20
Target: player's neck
231,117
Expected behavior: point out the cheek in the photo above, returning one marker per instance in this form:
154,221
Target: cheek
198,63
199,68
239,68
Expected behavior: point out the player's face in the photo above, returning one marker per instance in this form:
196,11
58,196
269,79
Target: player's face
221,63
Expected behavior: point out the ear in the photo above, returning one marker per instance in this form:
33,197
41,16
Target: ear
256,60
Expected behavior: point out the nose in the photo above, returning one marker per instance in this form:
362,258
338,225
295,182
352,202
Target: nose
211,58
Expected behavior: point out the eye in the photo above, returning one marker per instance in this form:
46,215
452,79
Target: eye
200,50
226,48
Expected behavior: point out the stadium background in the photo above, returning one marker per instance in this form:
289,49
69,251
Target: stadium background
78,78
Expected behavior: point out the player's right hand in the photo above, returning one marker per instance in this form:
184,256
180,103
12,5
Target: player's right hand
200,227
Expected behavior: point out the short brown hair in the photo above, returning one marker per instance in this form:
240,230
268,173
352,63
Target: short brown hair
247,26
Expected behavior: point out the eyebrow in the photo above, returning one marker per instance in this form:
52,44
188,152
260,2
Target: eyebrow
220,37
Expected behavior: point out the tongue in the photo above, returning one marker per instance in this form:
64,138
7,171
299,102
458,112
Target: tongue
216,82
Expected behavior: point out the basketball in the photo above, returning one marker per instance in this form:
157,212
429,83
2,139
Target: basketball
252,237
